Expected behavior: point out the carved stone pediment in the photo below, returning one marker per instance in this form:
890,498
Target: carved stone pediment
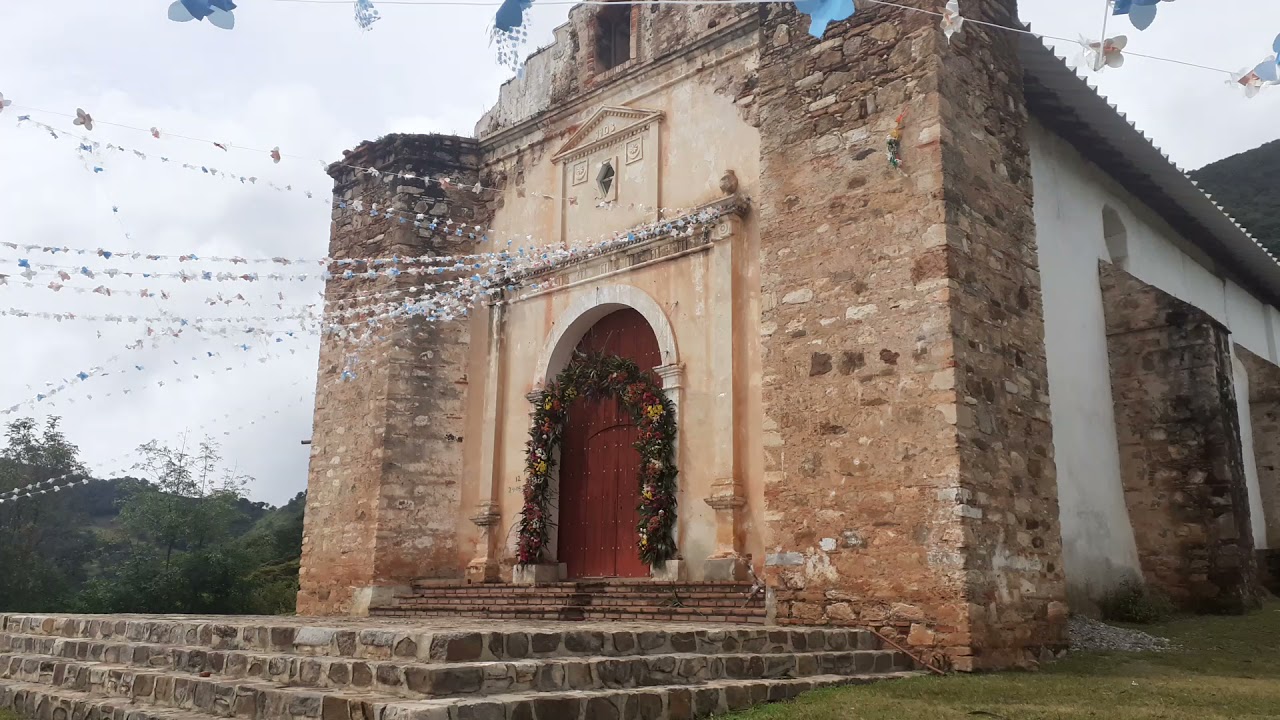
609,173
607,126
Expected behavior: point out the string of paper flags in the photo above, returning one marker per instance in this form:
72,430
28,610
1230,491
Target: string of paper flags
47,402
456,303
509,31
94,153
54,389
94,164
198,324
109,291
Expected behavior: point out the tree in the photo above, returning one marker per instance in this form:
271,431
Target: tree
180,538
177,554
43,539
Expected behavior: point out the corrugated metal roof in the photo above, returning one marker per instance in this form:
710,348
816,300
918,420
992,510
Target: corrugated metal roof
1067,104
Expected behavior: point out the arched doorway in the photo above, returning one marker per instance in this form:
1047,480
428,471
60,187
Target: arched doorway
598,463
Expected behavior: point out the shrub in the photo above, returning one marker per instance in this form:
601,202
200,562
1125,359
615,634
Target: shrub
1133,602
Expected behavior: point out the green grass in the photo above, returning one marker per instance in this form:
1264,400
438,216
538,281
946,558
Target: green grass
8,715
1228,667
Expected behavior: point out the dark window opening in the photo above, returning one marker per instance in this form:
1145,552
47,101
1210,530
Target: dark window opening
604,179
613,36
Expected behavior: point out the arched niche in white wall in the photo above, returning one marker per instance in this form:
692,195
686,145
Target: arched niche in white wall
1116,236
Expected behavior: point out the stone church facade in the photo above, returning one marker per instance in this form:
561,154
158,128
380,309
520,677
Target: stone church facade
952,400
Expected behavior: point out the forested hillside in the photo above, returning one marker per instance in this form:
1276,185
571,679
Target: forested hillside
1248,186
179,538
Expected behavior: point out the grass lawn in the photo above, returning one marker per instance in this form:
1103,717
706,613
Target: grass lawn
1228,667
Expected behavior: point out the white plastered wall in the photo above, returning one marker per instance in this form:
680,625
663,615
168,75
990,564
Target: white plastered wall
1070,195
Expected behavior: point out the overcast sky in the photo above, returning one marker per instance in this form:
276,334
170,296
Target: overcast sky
303,77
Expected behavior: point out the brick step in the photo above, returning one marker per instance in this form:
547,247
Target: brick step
574,613
634,593
652,703
388,639
581,588
604,600
228,671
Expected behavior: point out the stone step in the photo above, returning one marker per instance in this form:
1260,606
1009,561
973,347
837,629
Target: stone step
144,666
459,640
569,613
262,701
42,702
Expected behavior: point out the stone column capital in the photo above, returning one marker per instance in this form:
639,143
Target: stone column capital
487,514
672,375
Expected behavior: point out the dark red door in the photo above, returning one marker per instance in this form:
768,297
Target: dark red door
599,492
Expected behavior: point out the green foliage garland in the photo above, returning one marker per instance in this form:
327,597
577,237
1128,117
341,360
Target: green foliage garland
601,376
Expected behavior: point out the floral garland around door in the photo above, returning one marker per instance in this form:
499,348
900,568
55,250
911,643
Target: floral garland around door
602,376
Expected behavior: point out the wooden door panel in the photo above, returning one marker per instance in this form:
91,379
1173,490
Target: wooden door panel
599,466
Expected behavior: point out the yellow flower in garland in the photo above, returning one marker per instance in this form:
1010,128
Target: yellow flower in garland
542,467
570,393
547,404
654,411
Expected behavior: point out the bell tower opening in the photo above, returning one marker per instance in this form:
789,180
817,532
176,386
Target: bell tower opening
613,36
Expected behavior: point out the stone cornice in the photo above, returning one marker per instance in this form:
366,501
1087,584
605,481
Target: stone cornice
717,228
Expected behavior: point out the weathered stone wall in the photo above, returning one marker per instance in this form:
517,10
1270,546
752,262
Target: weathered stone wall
384,499
908,454
1179,438
1264,411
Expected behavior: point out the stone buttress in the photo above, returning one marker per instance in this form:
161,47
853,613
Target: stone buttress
909,464
384,495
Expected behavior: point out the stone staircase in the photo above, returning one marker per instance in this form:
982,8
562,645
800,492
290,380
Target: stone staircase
642,600
190,668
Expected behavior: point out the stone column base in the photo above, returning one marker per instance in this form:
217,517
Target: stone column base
670,571
482,570
375,596
726,569
541,574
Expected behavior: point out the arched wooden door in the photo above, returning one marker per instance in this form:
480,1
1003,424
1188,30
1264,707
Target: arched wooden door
599,491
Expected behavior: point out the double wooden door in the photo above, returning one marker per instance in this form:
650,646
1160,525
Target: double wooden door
599,465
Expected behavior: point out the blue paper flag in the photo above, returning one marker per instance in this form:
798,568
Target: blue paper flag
217,12
1141,12
824,12
510,15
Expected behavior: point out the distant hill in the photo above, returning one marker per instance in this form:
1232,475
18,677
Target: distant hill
1248,186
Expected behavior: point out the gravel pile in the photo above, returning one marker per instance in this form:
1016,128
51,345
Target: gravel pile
1087,634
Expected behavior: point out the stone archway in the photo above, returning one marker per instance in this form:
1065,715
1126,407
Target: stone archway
586,310
568,331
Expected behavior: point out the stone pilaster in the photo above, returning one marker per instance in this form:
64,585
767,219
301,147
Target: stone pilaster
486,565
384,500
908,454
